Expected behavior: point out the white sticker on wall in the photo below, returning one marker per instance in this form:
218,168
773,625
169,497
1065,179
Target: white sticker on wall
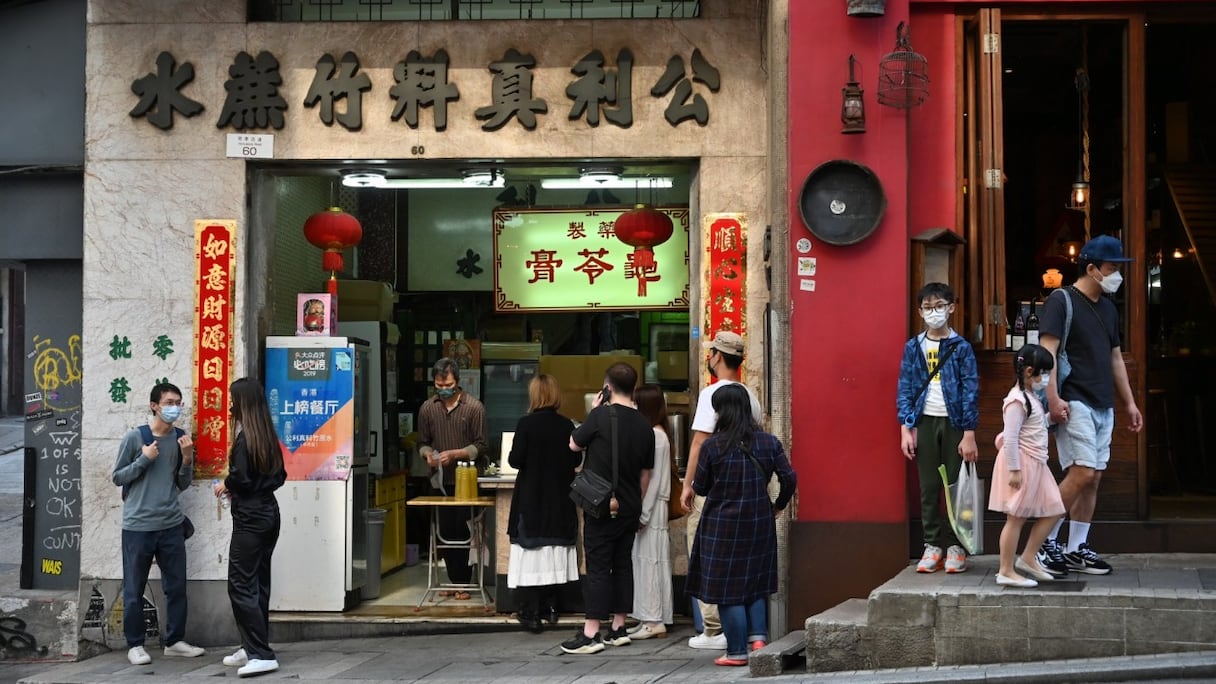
804,246
806,266
806,285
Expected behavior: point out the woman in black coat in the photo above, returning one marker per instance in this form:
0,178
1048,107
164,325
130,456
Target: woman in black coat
255,471
543,525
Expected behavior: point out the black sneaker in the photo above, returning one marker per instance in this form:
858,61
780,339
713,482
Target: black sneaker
582,644
1085,560
1051,557
618,637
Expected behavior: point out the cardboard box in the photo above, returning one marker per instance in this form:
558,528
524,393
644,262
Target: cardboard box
366,300
673,365
315,314
578,376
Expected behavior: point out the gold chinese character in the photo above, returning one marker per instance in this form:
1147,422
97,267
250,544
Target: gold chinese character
213,399
213,428
213,338
213,307
213,369
216,278
215,248
726,238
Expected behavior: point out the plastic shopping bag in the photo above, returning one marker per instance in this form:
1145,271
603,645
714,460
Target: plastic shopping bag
965,507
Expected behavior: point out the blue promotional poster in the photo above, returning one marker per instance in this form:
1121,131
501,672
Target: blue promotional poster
310,386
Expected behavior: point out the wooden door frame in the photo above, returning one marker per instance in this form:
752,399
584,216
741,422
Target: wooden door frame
1134,188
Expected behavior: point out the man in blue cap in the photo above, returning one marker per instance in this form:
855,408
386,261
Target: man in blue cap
1081,328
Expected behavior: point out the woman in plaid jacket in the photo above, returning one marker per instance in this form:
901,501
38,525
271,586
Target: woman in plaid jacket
733,562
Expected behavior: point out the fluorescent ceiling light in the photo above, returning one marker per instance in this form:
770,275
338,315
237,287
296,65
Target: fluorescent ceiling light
643,182
375,178
363,179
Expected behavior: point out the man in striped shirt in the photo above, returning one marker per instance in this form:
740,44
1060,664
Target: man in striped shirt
451,428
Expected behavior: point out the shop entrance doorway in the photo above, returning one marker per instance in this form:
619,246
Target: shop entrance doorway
433,273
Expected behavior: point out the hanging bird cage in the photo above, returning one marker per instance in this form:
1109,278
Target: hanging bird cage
903,75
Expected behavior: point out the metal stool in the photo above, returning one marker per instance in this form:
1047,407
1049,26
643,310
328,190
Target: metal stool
1159,415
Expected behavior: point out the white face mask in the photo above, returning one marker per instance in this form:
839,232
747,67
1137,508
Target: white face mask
934,319
1039,384
1110,283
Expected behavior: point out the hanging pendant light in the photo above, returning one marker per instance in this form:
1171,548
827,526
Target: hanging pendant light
1079,199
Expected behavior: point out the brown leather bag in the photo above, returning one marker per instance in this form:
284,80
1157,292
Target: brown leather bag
675,510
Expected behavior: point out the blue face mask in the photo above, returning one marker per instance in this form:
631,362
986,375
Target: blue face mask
445,392
170,413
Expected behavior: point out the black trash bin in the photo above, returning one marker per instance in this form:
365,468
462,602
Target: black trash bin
375,546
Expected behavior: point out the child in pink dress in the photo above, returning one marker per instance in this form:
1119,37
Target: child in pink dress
1022,484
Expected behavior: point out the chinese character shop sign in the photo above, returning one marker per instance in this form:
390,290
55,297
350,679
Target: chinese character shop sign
725,275
214,259
560,260
253,99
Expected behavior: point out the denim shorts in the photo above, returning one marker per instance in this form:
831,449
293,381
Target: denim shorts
1084,439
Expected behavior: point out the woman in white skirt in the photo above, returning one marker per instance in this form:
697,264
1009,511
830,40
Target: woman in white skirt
652,600
543,526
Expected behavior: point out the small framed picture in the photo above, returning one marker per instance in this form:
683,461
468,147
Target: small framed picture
315,314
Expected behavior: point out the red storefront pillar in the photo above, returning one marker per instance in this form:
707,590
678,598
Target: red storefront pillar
847,332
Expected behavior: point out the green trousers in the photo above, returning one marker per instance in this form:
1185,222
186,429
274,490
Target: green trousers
936,444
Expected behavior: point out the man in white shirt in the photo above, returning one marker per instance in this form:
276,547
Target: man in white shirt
725,358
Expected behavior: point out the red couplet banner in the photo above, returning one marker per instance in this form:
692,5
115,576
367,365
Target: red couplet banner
725,273
214,267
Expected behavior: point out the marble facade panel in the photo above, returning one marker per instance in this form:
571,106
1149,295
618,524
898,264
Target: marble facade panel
166,11
121,53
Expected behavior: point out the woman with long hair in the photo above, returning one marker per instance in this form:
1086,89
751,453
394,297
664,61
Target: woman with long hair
652,601
733,562
543,525
255,471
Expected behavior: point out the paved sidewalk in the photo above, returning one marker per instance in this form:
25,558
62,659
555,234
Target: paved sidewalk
522,658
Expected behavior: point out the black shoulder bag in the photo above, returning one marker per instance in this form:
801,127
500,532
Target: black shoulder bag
589,489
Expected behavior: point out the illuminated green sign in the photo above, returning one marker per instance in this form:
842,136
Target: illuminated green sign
570,259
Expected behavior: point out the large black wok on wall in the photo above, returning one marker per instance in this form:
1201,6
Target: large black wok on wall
842,202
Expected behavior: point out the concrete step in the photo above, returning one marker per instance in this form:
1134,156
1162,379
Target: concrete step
835,638
1150,605
780,656
38,626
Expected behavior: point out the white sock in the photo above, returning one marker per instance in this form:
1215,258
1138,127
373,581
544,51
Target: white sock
1055,531
1078,534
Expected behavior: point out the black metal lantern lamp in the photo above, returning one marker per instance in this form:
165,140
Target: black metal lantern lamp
852,106
903,75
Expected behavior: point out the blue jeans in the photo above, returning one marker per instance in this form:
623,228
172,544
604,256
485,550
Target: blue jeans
698,623
139,549
742,625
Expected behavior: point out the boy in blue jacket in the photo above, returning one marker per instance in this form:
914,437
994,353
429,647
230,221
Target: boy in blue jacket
938,412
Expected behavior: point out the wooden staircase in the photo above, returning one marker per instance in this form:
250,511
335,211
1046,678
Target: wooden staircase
1193,189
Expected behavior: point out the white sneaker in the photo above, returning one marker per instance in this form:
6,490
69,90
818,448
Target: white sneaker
956,560
138,656
257,667
184,650
237,659
709,643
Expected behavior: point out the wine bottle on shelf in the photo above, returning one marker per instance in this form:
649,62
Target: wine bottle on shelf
1032,326
1019,331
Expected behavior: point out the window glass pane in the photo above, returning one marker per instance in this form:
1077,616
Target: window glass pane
475,10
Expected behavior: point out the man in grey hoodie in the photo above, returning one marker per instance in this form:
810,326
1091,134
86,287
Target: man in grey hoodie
155,462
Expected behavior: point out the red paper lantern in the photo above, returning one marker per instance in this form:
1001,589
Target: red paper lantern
332,230
643,228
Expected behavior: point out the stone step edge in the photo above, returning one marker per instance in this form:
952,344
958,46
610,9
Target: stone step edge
777,656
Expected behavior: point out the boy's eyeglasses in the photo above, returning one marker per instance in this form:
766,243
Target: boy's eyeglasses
940,308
